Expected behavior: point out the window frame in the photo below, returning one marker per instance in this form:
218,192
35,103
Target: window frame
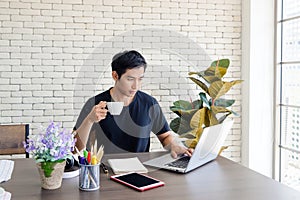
280,107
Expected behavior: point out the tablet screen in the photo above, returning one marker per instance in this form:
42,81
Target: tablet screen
138,181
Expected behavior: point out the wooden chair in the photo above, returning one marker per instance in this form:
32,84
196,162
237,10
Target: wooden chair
12,137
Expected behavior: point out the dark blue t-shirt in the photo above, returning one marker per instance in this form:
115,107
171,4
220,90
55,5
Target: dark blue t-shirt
129,131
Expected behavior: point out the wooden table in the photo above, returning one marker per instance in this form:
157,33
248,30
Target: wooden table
221,179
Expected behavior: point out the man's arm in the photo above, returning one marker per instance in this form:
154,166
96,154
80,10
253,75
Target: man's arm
82,133
97,113
170,143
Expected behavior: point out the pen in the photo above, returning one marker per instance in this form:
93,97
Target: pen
94,160
105,170
89,157
81,160
85,153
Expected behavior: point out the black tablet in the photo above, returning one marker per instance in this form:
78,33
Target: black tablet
137,181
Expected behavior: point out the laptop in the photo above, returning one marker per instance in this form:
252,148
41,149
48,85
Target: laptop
206,150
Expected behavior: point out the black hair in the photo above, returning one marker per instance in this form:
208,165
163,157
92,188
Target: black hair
127,60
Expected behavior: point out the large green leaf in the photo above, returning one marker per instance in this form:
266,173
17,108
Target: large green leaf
212,117
174,124
217,68
208,78
219,88
180,125
197,104
204,99
202,118
198,119
224,102
200,83
185,105
216,110
211,79
183,113
221,63
214,89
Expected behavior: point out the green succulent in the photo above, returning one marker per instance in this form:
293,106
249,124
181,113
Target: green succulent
210,109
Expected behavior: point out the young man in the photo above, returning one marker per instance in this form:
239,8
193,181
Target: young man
141,114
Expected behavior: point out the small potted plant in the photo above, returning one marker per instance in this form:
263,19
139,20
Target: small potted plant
50,148
210,109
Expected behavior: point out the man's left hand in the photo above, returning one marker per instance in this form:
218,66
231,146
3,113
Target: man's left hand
179,150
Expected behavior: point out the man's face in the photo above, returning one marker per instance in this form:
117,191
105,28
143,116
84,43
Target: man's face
130,82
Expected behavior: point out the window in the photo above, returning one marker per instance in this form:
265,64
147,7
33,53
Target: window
288,64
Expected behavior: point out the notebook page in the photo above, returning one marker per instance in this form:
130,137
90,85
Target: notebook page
125,165
6,169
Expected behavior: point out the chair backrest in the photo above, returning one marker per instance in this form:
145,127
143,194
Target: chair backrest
12,137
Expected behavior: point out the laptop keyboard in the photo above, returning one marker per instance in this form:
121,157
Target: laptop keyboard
180,163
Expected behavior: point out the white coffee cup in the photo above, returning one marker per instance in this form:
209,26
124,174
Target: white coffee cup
2,192
115,108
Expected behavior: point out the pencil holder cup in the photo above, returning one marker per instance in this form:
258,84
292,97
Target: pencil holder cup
89,177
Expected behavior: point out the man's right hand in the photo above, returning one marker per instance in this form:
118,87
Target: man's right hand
98,112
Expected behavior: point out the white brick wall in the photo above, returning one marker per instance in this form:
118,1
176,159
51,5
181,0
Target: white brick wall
55,54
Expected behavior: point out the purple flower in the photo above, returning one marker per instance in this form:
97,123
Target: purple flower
51,144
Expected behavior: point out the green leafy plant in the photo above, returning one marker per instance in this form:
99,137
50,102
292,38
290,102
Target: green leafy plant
210,109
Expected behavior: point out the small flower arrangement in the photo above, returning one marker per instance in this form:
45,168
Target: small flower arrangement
53,144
